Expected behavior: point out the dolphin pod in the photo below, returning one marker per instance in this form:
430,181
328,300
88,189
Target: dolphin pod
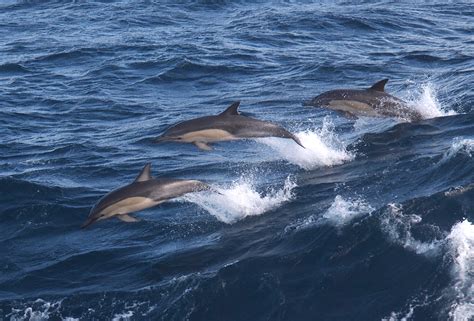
146,192
372,102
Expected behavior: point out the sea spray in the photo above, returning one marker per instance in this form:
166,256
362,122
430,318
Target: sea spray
342,211
426,103
461,244
459,145
322,148
397,226
241,199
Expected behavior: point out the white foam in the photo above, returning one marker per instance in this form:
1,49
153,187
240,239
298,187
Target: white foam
343,211
322,148
397,316
426,103
340,213
459,190
241,199
459,145
461,241
125,316
398,226
39,310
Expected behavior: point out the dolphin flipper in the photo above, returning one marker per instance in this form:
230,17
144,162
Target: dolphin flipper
349,115
127,218
202,146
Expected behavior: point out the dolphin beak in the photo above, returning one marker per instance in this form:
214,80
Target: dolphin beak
162,139
88,222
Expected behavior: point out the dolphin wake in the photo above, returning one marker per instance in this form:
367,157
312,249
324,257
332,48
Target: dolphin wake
241,199
425,101
322,148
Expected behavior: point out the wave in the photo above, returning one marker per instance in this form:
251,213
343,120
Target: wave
37,310
241,199
322,148
422,57
398,228
459,297
459,145
461,243
341,212
186,70
13,68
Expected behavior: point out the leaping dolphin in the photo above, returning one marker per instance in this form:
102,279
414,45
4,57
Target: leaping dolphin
228,125
373,102
144,192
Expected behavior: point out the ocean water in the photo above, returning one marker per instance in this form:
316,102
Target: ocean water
374,220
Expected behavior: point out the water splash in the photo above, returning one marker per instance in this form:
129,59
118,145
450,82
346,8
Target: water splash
461,241
125,316
37,310
459,145
322,148
426,102
343,211
340,213
397,227
241,199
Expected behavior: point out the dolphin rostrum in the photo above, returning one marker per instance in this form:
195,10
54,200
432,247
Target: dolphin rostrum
372,102
144,192
228,125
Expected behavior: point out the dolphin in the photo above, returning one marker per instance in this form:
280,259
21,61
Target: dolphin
228,125
144,192
372,102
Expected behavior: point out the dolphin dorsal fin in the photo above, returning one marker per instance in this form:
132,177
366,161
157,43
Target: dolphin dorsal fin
231,110
379,85
145,174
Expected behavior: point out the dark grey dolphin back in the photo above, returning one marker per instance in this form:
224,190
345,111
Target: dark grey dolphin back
167,188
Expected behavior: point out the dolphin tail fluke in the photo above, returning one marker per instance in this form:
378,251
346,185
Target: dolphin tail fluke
127,218
297,140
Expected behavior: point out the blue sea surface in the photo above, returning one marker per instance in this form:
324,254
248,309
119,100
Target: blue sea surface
374,220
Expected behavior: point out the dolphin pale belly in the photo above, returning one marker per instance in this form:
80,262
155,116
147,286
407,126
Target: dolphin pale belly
144,192
228,125
371,102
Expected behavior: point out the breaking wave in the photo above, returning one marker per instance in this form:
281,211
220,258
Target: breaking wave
459,145
461,243
398,228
